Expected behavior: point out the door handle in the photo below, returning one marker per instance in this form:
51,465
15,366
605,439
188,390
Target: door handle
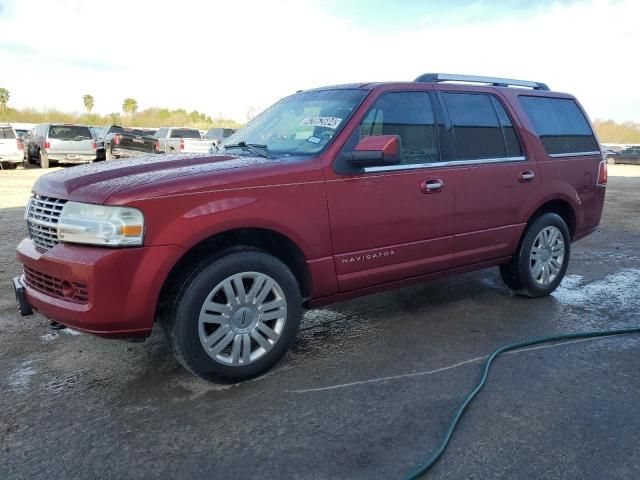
526,176
432,186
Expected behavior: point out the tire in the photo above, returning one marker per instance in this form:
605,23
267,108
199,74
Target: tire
542,258
611,160
9,165
210,338
44,159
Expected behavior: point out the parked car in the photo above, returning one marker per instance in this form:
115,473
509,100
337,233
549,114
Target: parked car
61,143
181,140
11,148
627,155
383,185
116,142
218,135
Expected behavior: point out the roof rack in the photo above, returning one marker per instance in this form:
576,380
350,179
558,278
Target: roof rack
495,81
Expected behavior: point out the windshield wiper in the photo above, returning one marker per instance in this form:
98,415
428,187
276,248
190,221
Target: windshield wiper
254,148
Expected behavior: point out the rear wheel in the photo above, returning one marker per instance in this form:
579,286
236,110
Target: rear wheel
235,316
44,159
611,160
542,259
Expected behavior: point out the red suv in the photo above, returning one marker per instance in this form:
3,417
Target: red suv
329,194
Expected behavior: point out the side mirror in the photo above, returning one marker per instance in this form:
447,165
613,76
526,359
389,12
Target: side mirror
377,150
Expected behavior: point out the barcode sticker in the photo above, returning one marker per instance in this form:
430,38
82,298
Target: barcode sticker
329,122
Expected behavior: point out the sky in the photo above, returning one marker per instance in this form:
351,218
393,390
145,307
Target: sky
225,57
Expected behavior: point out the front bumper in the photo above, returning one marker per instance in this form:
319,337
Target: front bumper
122,285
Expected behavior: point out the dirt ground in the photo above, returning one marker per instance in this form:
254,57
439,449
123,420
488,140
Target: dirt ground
366,392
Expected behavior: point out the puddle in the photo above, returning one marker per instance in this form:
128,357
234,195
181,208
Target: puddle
615,292
20,377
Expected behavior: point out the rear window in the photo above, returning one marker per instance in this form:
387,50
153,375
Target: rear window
69,132
184,133
561,125
6,132
481,127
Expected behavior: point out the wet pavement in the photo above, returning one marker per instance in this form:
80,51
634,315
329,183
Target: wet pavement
366,392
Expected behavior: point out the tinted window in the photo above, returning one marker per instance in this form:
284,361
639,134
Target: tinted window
6,132
560,124
69,132
184,133
410,115
477,130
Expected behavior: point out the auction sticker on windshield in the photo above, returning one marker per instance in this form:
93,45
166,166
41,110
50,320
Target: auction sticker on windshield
329,122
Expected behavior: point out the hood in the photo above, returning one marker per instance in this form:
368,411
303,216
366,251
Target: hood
96,182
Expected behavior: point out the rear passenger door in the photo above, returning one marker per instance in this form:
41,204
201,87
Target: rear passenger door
385,224
497,182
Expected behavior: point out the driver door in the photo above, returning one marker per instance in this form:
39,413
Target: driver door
387,224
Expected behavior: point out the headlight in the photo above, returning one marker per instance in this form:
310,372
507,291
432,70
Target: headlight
100,225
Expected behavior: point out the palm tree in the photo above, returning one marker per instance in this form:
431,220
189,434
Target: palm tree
129,105
88,102
4,98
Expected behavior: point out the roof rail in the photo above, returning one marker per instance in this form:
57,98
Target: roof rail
495,81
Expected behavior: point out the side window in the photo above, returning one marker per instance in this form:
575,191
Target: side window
478,132
560,124
409,115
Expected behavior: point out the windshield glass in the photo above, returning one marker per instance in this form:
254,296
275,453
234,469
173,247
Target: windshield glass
302,124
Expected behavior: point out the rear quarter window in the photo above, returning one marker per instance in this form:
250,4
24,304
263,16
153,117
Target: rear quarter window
561,125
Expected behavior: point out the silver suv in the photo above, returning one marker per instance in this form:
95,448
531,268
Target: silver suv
11,153
62,143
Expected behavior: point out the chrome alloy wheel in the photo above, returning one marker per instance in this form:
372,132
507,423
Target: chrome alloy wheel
242,318
547,255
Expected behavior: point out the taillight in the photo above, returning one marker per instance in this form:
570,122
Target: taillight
116,139
156,147
19,143
602,174
94,145
47,146
182,144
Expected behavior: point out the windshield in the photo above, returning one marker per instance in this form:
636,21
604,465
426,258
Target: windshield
302,124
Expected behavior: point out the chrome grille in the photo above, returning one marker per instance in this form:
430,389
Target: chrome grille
42,219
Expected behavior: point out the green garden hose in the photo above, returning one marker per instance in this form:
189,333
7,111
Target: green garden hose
439,450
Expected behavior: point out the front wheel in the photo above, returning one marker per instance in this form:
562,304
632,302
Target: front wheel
542,259
235,316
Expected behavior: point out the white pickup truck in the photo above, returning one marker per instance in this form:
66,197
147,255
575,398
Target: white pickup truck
181,140
11,148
